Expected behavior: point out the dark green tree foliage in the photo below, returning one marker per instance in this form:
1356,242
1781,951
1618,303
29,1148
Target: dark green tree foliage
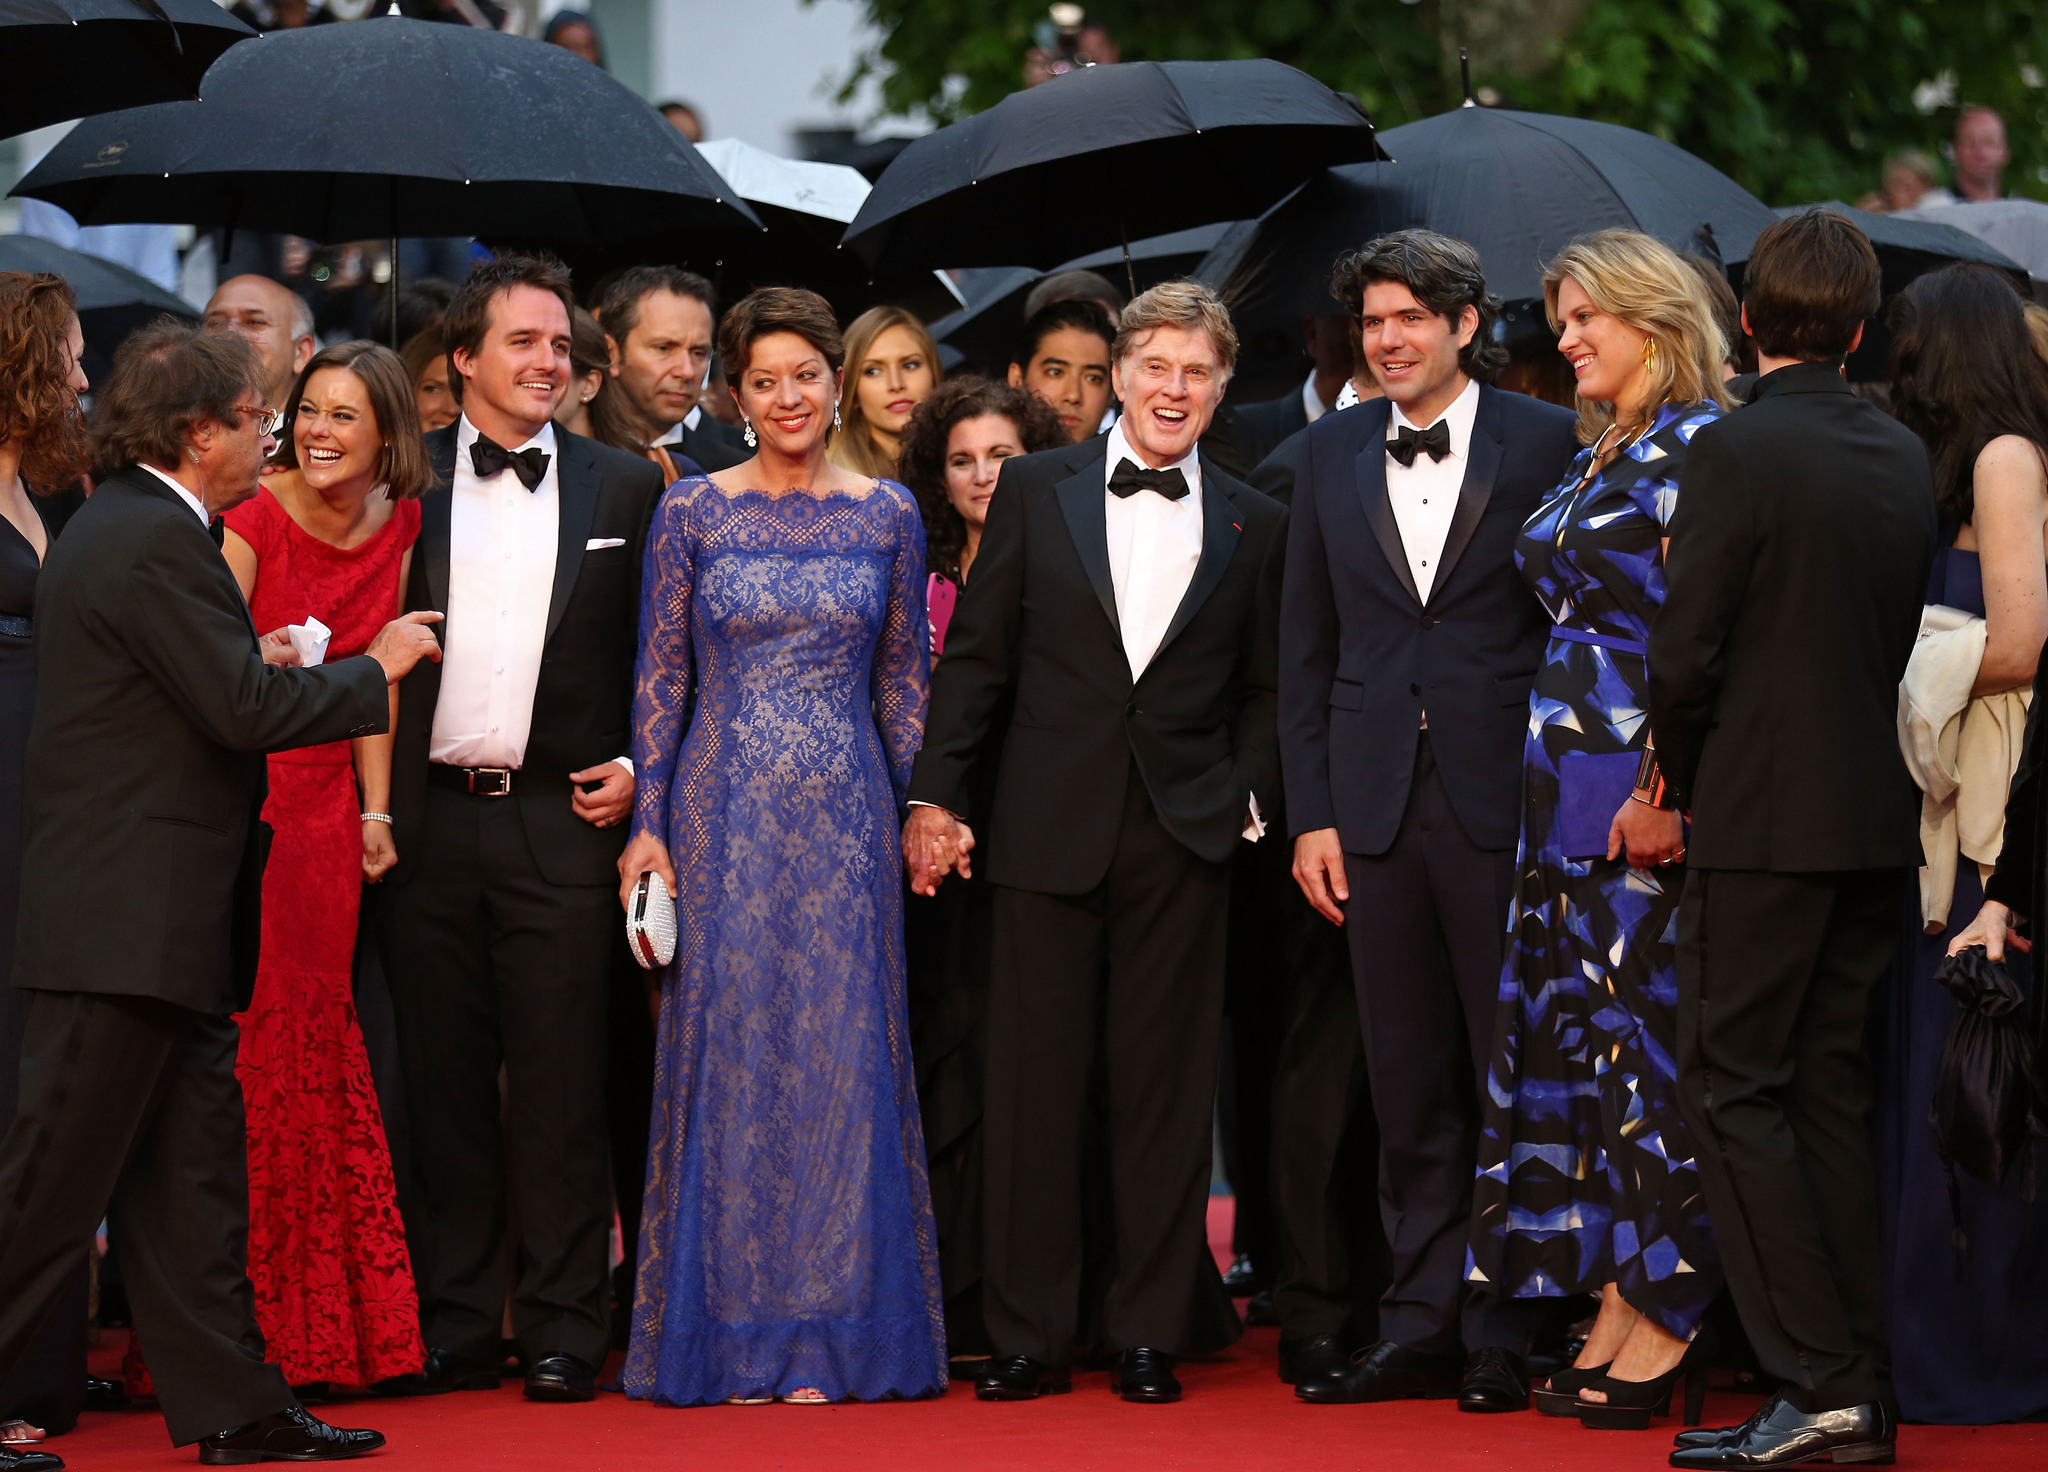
1797,99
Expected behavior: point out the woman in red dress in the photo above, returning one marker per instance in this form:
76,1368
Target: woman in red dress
328,539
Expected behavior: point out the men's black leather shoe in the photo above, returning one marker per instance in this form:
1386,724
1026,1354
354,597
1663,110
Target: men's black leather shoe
1495,1380
1386,1371
1715,1435
445,1370
291,1435
561,1377
1146,1378
1784,1436
1321,1357
105,1395
1020,1377
21,1460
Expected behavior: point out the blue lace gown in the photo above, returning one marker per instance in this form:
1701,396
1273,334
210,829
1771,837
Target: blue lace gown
787,1240
1586,1170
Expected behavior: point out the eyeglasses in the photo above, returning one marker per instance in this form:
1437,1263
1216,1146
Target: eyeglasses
267,420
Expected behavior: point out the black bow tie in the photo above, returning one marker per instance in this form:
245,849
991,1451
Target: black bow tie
1129,478
489,457
218,530
1436,441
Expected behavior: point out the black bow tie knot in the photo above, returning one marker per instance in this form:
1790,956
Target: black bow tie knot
1434,441
1129,478
489,457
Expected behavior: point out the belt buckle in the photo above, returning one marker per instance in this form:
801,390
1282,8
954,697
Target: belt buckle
502,785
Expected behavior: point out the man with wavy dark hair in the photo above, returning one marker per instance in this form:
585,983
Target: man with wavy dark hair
1408,643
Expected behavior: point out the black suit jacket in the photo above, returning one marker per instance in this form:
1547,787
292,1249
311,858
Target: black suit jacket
714,445
1242,436
141,843
1362,657
1038,621
582,703
1799,559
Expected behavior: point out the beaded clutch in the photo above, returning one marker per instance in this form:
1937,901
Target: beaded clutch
651,922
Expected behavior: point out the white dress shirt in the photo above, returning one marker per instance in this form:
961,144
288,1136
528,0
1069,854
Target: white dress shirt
1312,402
1154,545
501,574
673,435
198,506
1424,496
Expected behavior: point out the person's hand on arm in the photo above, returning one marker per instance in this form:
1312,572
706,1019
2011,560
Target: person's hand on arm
606,804
1319,870
403,643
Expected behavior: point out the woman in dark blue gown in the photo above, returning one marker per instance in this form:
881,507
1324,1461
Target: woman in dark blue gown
786,1247
1586,1181
1969,1326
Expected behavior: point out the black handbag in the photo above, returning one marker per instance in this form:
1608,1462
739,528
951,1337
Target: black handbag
1988,1097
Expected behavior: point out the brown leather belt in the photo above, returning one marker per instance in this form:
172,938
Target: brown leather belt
476,781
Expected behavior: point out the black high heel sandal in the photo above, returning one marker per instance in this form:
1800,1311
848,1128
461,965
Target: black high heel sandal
1560,1396
1632,1404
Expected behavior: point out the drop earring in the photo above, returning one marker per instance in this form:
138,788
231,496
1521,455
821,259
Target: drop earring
835,414
747,432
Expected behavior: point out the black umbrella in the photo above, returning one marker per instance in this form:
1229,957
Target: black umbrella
1104,155
112,300
391,127
1517,185
64,59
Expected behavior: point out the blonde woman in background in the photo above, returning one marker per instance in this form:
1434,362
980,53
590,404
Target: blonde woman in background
1585,1180
892,366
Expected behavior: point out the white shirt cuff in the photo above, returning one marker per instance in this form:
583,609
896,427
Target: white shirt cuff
627,763
1256,828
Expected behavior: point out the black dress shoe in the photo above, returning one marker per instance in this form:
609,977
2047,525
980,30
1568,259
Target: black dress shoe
1321,1357
445,1370
1020,1377
561,1377
1260,1311
30,1461
289,1436
105,1395
1242,1279
1495,1380
1145,1377
1386,1371
1715,1435
1782,1435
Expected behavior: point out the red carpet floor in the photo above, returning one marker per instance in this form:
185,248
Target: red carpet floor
1237,1415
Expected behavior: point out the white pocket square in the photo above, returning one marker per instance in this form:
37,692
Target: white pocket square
598,544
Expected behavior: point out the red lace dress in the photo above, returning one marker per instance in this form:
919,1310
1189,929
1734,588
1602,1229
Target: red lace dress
334,1286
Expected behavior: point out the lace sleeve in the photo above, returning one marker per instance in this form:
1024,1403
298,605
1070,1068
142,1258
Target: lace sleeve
661,679
902,672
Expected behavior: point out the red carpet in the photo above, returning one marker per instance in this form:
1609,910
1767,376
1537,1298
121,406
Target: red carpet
1237,1415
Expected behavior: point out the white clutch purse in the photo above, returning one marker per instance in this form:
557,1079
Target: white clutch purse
651,922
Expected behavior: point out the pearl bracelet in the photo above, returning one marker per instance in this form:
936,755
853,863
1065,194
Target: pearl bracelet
384,818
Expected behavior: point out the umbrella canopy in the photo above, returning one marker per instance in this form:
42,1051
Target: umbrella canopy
1103,155
112,300
64,59
391,127
2018,228
1517,185
824,192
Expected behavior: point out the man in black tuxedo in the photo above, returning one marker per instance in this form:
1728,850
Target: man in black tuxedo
1798,564
141,897
1408,645
659,321
509,785
1126,596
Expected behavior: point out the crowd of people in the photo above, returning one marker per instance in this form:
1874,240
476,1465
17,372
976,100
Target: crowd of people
1523,800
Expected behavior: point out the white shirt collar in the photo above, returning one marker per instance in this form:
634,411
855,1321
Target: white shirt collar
467,434
1118,450
1312,402
1463,410
198,506
673,435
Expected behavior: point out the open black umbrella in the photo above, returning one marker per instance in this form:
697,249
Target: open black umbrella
391,127
65,59
1105,155
1517,185
112,300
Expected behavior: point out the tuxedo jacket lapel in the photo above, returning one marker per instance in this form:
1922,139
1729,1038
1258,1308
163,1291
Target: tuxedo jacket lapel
1081,504
1221,524
1482,468
436,508
576,487
1372,495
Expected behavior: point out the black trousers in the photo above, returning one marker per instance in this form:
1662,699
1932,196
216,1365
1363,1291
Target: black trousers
491,966
1257,980
1427,922
1332,1248
130,1109
1775,976
1132,970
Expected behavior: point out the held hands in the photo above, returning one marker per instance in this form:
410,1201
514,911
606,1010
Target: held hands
644,853
379,852
935,844
607,807
403,643
1993,930
1651,836
1319,870
277,648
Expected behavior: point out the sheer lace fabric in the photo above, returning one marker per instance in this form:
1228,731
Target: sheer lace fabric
787,1240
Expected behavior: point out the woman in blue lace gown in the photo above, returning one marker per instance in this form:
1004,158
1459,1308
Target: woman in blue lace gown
1586,1180
786,1246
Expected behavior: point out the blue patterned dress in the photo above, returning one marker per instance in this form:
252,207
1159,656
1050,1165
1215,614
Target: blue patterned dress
787,1240
1586,1171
